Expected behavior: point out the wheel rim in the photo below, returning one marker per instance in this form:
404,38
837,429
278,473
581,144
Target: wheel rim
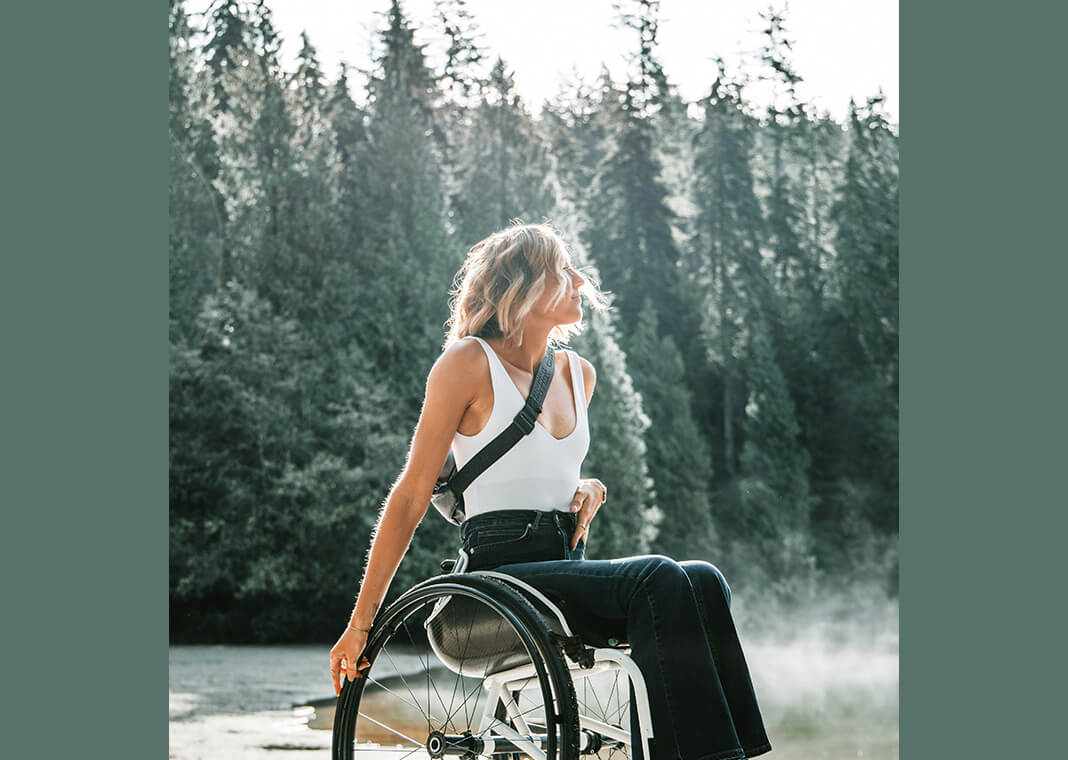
427,693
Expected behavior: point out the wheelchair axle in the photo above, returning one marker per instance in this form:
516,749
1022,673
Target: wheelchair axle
440,744
466,745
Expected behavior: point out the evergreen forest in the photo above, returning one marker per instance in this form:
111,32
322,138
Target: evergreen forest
746,410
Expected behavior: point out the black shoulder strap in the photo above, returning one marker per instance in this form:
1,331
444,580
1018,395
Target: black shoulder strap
521,425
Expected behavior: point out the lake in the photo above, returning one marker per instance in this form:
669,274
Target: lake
821,699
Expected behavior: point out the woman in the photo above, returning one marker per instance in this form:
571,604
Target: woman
529,513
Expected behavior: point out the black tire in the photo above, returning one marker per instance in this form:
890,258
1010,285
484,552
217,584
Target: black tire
492,612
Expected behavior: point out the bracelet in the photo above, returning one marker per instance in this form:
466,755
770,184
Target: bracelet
361,630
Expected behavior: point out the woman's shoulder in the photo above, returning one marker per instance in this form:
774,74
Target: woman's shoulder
586,364
589,374
463,359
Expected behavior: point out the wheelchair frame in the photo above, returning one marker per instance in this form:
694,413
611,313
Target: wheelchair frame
604,659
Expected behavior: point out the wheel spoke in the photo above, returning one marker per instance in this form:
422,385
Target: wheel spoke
380,724
618,715
468,696
385,688
391,750
434,685
463,659
521,713
601,711
415,700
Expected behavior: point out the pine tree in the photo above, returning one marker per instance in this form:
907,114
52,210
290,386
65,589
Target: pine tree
771,452
866,237
631,237
279,209
673,146
315,197
678,457
643,18
346,126
822,146
775,498
464,57
308,81
808,354
230,45
864,315
340,140
785,115
727,248
261,512
795,255
627,524
502,170
407,259
197,227
577,125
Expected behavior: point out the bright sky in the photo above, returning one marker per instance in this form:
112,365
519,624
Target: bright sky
842,48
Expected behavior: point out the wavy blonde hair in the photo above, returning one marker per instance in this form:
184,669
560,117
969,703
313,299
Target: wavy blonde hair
504,275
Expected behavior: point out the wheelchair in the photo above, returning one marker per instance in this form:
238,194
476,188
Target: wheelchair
479,665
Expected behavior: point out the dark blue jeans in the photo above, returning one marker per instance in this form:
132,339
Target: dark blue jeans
675,616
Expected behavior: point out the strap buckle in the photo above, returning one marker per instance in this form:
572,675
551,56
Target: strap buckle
525,419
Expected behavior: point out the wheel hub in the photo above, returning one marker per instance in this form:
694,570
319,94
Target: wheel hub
440,744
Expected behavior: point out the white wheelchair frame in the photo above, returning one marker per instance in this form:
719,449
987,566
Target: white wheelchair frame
499,686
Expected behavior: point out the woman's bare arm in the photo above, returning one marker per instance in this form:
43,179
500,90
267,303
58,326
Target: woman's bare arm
450,389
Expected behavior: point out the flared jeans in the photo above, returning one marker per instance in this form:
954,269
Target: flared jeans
674,615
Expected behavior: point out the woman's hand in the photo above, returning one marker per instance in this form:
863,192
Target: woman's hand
343,656
589,496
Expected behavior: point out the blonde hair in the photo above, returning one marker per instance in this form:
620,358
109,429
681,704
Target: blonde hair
504,275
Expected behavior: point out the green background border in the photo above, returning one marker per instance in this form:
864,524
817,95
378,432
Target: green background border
83,298
982,380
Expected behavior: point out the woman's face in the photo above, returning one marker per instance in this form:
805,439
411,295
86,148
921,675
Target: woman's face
569,309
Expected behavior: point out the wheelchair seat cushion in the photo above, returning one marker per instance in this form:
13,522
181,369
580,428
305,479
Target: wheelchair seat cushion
473,639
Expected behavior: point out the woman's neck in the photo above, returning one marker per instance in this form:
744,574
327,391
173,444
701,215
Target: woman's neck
528,356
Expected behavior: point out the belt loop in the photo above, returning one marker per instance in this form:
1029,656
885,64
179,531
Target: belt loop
537,518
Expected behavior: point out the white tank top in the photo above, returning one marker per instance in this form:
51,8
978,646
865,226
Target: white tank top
540,471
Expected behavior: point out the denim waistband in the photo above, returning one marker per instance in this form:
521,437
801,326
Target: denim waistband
535,517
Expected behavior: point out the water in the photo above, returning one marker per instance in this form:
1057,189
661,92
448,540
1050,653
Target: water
820,700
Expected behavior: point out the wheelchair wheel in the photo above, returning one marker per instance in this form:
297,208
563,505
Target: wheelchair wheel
461,667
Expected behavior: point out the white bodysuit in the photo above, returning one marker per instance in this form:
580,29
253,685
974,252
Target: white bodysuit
540,471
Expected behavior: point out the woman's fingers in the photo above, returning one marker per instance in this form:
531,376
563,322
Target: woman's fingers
576,501
590,491
581,531
335,674
346,657
354,671
587,500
